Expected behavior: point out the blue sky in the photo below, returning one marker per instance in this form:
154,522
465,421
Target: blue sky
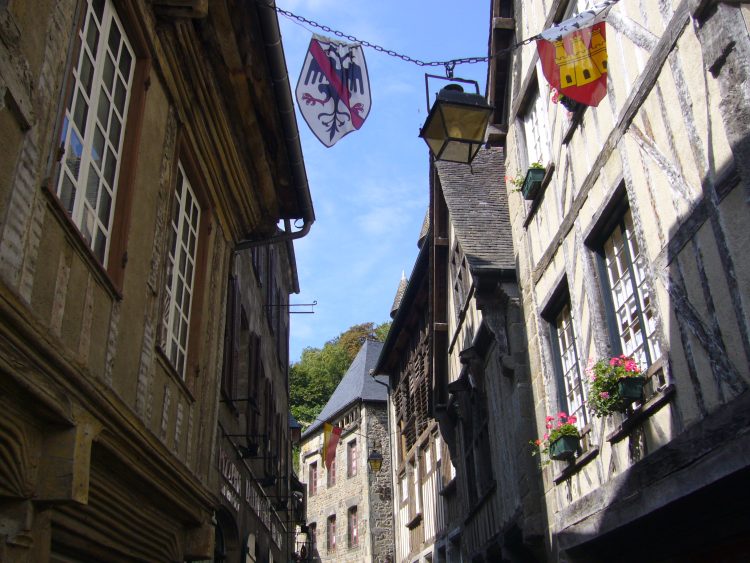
370,190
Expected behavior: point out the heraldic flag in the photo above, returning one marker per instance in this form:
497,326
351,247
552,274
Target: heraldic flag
331,435
333,90
574,55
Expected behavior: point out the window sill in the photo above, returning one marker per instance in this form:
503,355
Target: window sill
575,465
640,414
538,199
74,236
169,368
414,522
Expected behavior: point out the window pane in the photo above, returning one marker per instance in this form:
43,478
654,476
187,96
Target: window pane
631,295
92,34
574,387
180,286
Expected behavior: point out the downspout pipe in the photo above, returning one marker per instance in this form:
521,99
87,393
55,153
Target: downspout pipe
269,25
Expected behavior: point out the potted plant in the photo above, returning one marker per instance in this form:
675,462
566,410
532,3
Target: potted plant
614,384
562,441
533,180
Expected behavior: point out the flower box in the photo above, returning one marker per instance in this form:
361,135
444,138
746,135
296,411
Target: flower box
631,388
564,448
532,182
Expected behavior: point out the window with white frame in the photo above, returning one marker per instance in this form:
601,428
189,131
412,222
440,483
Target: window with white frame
568,366
94,123
535,128
183,251
629,297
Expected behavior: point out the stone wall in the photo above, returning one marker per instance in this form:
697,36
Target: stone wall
371,494
381,486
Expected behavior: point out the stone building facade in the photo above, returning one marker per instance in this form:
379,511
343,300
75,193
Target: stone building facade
636,244
348,512
261,497
143,142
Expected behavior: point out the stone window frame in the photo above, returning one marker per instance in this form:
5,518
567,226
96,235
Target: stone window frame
110,271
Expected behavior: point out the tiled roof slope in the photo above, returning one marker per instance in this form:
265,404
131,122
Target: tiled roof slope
355,385
478,206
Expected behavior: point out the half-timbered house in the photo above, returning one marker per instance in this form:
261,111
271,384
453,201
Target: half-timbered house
636,244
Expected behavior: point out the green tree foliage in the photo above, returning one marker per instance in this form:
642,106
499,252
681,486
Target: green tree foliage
314,378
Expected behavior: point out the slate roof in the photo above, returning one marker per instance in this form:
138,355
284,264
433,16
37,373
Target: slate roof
478,206
354,386
399,295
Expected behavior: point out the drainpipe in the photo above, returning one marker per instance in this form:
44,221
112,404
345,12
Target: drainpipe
269,25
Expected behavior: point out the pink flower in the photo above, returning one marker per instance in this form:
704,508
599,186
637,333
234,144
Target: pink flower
562,415
545,437
593,377
613,361
572,419
604,395
537,441
549,418
560,424
631,366
548,425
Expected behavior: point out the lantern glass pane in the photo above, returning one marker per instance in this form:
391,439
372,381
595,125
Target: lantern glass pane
456,151
465,122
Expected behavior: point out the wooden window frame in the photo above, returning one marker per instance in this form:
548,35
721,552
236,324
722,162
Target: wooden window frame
185,157
111,273
331,474
651,345
312,479
551,314
352,527
331,533
352,458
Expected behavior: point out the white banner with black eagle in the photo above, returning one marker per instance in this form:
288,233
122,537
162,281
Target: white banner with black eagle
333,90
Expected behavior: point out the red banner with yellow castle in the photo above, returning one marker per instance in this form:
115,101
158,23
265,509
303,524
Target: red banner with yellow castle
574,56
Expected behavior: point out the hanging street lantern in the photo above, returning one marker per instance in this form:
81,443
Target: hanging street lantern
456,125
375,460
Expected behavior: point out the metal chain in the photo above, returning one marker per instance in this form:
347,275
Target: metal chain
449,64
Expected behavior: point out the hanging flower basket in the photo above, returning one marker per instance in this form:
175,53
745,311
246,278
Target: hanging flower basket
564,448
631,388
614,384
532,182
562,440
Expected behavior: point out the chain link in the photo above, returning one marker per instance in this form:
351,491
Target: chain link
378,48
